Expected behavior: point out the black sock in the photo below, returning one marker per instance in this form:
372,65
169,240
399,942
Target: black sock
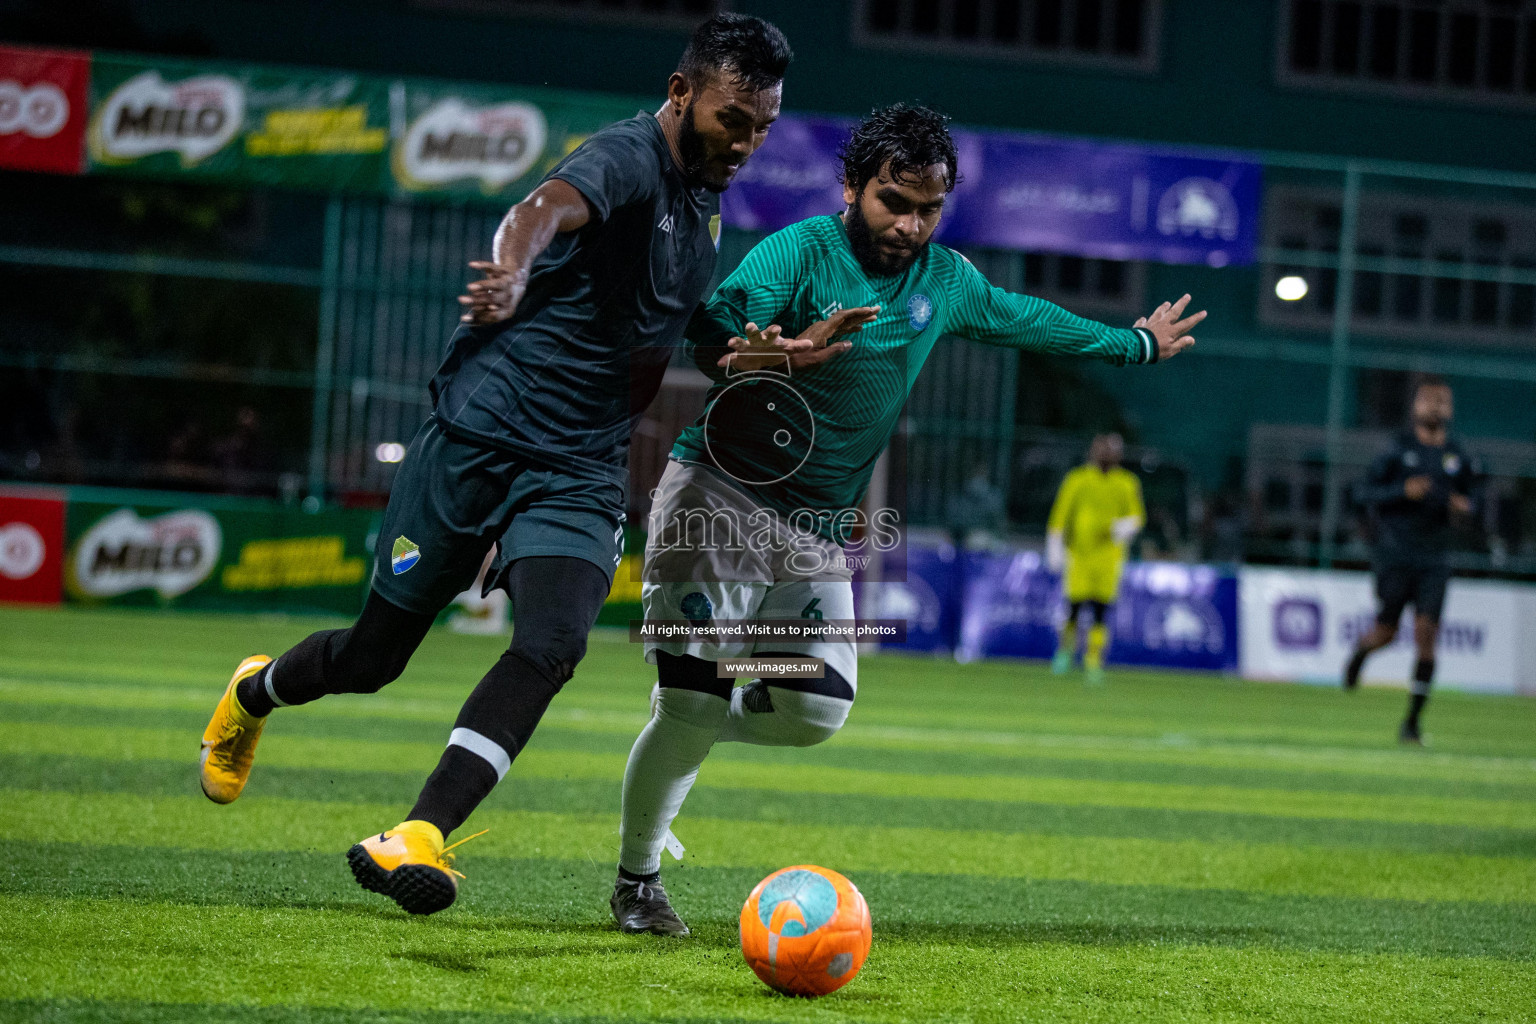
304,676
492,728
1356,663
361,659
1423,674
555,601
630,876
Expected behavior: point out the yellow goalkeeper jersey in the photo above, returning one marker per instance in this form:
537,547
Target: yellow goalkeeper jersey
1089,502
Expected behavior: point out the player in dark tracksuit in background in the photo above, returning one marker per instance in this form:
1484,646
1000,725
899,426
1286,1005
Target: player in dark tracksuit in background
1415,492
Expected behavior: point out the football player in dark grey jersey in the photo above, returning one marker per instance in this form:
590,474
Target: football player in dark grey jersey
563,343
1415,492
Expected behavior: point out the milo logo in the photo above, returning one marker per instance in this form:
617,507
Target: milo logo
195,117
168,554
453,140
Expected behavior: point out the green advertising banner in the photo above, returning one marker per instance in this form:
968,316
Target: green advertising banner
476,141
241,124
188,551
331,131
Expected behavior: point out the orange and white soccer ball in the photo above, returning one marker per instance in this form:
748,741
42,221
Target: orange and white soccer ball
805,930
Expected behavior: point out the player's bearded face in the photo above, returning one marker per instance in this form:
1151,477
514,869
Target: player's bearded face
1432,407
891,221
722,125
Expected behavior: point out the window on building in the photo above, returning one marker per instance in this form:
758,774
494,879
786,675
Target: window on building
1475,49
1428,269
1116,33
684,12
1111,290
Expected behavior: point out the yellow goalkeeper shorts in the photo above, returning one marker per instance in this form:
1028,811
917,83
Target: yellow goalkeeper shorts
1094,574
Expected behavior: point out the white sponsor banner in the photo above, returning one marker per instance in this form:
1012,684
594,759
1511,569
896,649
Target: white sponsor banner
22,551
454,140
170,554
1303,625
195,117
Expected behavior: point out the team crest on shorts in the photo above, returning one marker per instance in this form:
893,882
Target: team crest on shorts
919,311
697,609
405,554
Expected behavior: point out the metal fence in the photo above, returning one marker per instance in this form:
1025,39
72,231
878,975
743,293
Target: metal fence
387,272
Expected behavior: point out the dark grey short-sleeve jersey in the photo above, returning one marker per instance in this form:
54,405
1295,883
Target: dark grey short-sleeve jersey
566,377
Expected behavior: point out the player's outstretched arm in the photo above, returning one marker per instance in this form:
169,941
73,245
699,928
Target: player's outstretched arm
982,312
555,207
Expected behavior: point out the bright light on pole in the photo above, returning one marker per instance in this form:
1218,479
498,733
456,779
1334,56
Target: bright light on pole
390,451
1291,288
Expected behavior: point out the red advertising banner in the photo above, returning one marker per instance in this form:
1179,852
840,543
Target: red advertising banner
31,547
43,98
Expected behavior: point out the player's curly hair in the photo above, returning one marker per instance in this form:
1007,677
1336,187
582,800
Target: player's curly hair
911,138
749,50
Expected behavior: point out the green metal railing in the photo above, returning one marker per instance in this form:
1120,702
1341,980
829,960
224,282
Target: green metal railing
388,272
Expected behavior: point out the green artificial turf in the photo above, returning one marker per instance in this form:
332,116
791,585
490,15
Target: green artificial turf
1165,848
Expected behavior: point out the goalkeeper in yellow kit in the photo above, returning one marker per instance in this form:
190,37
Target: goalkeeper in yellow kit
1096,513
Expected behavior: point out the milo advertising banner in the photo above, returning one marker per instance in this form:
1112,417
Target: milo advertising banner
215,554
242,124
481,142
327,130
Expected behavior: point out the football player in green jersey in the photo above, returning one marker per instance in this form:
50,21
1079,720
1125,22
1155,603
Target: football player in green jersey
763,493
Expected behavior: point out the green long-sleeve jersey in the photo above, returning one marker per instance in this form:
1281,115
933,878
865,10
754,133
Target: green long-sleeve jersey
809,439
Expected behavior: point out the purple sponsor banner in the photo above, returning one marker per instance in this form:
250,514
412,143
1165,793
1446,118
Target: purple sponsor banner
1168,614
1176,616
1012,605
792,176
1033,193
923,590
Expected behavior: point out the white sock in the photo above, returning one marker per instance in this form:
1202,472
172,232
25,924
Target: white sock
793,719
662,766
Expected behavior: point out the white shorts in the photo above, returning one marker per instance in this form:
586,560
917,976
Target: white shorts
714,553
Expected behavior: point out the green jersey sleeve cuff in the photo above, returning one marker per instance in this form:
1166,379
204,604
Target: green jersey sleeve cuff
1148,344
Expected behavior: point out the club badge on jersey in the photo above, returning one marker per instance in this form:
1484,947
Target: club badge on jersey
404,555
919,311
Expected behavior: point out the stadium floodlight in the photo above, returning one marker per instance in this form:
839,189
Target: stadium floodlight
390,451
1290,288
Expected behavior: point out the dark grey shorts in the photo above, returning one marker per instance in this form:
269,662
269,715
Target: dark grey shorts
452,500
1398,586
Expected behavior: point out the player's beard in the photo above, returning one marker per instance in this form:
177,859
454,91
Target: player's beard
1432,421
690,145
867,250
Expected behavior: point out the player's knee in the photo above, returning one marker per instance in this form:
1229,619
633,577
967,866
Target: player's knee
806,719
693,708
553,652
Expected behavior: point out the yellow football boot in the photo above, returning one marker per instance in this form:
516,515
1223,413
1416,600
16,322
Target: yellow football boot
410,865
229,742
